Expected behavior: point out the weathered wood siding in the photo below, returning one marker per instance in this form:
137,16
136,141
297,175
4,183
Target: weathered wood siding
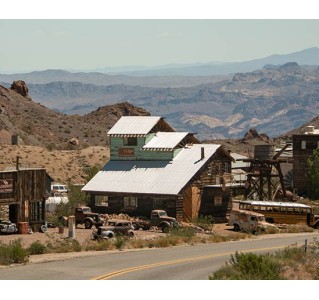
27,196
215,172
216,203
300,156
145,204
192,202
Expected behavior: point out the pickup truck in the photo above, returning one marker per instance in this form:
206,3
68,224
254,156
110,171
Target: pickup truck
248,221
158,219
84,215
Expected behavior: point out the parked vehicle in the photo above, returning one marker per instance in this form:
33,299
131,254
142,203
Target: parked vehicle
58,188
159,219
7,227
249,221
84,215
114,228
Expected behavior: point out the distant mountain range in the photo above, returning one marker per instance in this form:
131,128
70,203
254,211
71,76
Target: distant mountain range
276,97
308,56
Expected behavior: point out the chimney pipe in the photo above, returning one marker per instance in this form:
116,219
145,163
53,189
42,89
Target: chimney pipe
202,153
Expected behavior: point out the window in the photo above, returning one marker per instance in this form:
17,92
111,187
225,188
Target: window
130,141
218,200
36,211
226,168
130,202
101,200
303,145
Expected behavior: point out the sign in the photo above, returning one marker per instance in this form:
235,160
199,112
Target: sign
6,186
126,152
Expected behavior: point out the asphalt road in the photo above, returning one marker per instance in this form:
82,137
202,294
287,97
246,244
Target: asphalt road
175,263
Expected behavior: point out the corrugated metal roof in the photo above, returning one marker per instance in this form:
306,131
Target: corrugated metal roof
168,140
273,203
151,177
238,161
237,156
134,125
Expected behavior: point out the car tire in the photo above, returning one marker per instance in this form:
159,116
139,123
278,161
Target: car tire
236,227
43,228
111,235
135,226
88,224
131,233
147,227
165,228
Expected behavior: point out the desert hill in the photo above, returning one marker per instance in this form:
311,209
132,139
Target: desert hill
274,99
65,145
40,126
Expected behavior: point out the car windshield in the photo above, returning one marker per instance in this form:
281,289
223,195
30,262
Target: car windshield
111,223
86,210
162,213
262,219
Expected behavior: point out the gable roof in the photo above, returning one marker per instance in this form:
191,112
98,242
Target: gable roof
136,125
165,140
151,177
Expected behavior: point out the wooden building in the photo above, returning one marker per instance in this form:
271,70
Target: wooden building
23,193
303,146
153,167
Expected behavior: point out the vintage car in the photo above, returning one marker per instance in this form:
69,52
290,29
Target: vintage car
249,221
113,228
7,227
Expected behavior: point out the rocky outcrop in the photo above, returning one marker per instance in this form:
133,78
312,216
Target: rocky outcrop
252,134
20,87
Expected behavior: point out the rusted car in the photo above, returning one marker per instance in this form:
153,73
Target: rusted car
249,221
7,227
113,228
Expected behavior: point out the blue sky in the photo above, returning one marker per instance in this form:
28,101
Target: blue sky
67,41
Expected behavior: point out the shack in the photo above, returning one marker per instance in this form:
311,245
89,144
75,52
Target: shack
22,197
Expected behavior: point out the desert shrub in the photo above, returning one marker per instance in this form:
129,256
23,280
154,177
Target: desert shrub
205,222
138,244
120,242
249,266
63,246
13,253
100,245
37,248
187,232
297,229
162,242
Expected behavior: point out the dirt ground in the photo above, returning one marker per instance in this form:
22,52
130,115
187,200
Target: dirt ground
82,234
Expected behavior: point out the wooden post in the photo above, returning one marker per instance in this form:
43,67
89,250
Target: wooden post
71,223
306,245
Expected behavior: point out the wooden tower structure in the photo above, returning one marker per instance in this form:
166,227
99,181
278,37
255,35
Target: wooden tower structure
265,178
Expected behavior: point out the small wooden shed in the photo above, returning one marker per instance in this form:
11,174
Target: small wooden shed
23,192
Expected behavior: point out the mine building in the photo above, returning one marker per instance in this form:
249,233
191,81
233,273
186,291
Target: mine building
154,167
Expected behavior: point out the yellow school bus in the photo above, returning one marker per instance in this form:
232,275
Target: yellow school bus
282,212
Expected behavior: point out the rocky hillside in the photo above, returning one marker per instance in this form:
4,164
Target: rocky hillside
274,100
66,146
40,126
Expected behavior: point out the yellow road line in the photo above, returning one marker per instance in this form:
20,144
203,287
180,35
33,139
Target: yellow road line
174,262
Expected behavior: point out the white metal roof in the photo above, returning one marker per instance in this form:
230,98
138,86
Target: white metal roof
274,203
151,177
168,140
136,125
